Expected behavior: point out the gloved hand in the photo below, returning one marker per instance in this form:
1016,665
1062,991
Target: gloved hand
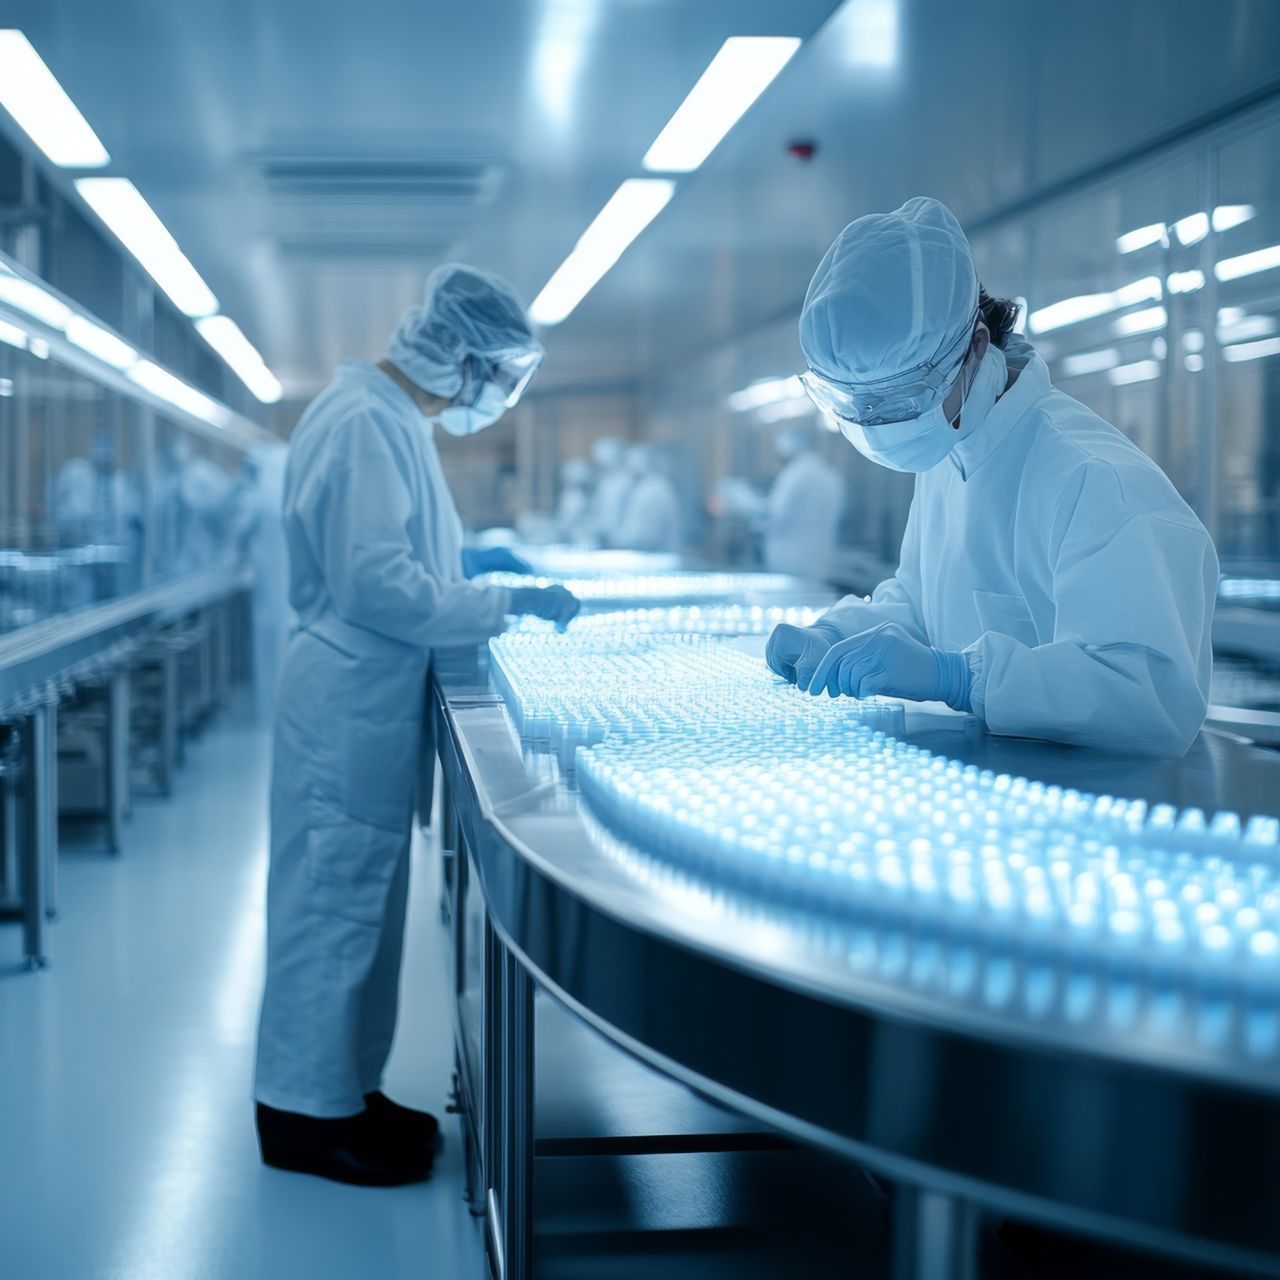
553,603
477,560
889,659
794,652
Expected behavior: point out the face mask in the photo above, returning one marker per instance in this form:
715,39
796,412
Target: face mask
484,411
921,444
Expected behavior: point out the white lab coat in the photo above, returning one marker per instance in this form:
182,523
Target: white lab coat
1060,559
268,558
608,503
802,518
650,518
376,579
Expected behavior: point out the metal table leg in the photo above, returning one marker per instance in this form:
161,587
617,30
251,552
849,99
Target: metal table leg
170,731
934,1236
31,872
45,734
517,1128
117,751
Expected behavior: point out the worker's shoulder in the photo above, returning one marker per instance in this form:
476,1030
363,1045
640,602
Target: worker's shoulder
352,401
1085,453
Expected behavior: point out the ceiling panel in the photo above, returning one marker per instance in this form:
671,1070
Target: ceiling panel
315,158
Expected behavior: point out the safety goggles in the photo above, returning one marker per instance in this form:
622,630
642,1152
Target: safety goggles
900,398
512,373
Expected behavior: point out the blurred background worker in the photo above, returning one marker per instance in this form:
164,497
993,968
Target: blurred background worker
802,513
377,579
1051,579
614,482
651,518
573,507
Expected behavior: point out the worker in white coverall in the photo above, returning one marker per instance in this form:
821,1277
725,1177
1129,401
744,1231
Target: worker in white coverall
651,519
1052,581
802,512
376,578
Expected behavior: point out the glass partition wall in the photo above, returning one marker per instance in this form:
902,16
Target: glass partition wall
100,493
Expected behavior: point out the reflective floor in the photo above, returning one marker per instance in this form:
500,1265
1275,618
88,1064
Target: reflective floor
127,1149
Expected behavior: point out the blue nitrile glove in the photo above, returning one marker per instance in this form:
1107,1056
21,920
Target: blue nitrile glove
555,604
794,652
888,659
477,560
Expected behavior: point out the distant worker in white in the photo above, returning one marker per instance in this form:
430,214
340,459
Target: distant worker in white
613,483
651,519
1051,579
573,507
376,578
802,511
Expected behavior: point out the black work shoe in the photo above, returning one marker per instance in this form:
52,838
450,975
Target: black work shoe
355,1149
417,1126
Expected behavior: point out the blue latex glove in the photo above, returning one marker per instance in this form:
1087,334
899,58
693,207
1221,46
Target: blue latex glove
476,561
794,652
889,659
555,604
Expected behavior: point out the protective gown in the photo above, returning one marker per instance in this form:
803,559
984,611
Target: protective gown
376,580
1063,563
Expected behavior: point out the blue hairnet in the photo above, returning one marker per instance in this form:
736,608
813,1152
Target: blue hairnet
894,291
464,312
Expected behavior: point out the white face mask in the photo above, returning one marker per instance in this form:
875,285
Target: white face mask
920,444
466,420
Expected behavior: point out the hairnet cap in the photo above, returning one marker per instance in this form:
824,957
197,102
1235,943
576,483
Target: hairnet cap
894,291
464,312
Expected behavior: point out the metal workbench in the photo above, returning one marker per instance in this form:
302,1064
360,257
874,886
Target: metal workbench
95,649
1100,1101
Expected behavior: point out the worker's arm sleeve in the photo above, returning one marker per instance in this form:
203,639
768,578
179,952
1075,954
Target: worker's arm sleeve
1129,663
896,599
358,509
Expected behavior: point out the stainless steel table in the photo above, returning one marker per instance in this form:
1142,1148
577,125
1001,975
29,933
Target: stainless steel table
1100,1101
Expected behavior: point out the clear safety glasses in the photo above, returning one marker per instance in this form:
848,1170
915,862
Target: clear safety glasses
513,373
900,398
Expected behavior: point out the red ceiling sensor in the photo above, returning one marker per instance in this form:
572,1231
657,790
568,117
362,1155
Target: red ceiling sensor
802,150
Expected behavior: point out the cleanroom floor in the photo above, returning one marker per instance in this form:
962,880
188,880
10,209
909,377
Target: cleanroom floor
127,1146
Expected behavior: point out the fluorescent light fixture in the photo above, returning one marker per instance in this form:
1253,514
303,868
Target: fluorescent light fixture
1245,329
12,336
796,407
28,296
1160,347
1231,315
742,70
1191,229
1088,306
31,94
1141,321
560,48
1140,371
160,382
1248,264
1185,281
1141,237
631,208
1194,362
1087,362
1193,340
1252,350
1226,216
765,392
38,348
224,336
870,33
98,342
120,205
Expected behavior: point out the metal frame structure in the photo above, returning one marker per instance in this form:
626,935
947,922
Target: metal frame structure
1093,1128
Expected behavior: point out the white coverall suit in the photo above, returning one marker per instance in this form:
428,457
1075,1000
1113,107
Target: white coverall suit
802,518
376,579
